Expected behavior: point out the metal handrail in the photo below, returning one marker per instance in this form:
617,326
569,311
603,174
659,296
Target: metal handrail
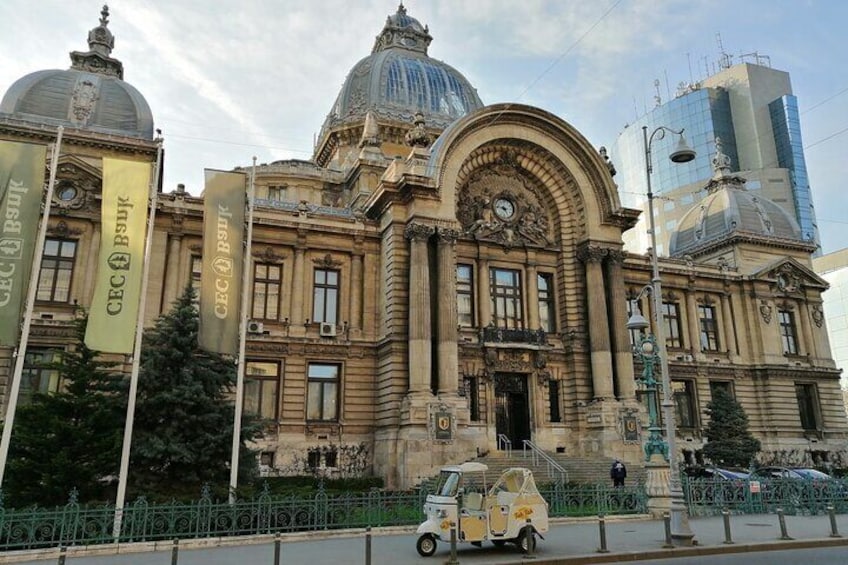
552,465
505,444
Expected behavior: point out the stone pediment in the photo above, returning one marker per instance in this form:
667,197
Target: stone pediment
77,183
501,205
789,276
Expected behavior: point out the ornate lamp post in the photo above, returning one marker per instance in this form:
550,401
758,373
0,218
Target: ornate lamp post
680,529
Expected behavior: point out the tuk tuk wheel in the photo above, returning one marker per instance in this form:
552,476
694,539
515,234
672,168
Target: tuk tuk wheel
426,545
527,543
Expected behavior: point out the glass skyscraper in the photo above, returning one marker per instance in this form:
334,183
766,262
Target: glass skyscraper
752,110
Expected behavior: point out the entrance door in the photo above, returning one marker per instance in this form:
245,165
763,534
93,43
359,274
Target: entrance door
512,408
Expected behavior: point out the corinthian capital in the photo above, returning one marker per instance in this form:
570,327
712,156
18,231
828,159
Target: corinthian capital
416,231
592,253
448,235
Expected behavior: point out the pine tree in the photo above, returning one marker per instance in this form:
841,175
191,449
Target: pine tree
70,439
182,437
730,443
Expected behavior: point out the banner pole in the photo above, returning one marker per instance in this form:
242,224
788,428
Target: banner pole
245,281
136,359
35,270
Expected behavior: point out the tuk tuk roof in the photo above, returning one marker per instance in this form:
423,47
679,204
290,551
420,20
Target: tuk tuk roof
467,467
516,479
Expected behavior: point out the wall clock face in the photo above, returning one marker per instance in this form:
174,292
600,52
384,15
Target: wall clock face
504,208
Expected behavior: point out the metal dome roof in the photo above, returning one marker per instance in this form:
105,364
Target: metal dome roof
399,79
90,95
730,209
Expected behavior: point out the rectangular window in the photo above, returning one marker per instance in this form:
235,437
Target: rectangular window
37,375
684,402
465,295
266,291
261,383
196,267
325,304
547,317
57,269
553,398
788,336
726,386
472,397
277,193
323,392
808,405
507,311
671,319
709,327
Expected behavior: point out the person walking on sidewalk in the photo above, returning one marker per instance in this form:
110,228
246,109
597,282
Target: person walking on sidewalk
618,473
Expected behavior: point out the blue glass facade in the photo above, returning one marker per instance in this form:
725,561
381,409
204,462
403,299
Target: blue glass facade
790,155
704,114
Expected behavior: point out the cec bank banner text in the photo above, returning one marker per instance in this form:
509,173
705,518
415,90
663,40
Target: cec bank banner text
114,309
220,279
21,180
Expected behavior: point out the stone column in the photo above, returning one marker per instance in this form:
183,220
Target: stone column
448,349
693,324
533,322
484,298
598,322
420,338
172,272
625,377
729,342
296,299
356,289
805,343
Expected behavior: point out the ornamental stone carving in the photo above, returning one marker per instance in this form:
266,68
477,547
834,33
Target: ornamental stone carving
83,99
75,189
417,231
765,311
326,262
502,204
448,235
787,279
592,254
268,255
817,314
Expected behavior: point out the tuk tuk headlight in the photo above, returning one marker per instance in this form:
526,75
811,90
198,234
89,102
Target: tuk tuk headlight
442,513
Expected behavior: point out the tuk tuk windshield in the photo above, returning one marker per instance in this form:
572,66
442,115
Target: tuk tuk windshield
448,483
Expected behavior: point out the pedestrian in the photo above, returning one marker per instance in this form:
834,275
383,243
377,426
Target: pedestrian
618,473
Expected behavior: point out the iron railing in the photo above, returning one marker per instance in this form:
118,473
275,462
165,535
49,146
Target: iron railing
537,455
76,524
707,497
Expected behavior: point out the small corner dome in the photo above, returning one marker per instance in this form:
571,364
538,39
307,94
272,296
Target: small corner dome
399,79
730,209
91,95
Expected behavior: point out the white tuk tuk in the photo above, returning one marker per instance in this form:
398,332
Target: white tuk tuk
512,510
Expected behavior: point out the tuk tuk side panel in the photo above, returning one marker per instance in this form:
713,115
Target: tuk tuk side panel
472,527
498,519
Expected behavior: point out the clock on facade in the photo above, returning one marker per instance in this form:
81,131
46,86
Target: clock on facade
504,208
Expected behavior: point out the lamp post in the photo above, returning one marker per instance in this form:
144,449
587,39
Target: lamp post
682,153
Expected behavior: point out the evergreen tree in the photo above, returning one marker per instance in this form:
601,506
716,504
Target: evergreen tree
730,443
70,439
182,437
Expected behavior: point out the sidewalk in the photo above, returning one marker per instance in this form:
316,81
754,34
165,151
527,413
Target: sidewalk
569,541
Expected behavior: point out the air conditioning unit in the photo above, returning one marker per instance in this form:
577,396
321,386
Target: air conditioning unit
254,327
327,329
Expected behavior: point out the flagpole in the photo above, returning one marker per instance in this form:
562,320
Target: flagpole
20,356
245,281
136,361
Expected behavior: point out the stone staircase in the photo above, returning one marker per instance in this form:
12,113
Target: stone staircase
582,470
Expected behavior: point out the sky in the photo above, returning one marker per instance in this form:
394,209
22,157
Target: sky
231,79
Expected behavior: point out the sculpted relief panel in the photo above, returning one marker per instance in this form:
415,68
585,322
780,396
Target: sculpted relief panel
500,204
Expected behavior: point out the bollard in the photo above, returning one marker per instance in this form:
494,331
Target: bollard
602,527
834,533
667,522
62,551
175,552
453,559
531,540
725,514
368,545
277,549
782,520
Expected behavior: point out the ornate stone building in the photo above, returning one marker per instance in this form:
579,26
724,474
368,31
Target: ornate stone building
445,278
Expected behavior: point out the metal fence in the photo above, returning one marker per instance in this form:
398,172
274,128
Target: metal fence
76,524
708,497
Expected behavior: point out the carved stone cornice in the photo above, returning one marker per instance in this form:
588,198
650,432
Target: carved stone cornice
416,231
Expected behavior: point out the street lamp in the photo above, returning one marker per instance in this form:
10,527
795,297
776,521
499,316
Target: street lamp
682,153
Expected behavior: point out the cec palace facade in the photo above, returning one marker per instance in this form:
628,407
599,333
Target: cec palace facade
444,278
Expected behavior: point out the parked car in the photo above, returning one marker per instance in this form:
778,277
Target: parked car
791,482
774,472
710,472
712,485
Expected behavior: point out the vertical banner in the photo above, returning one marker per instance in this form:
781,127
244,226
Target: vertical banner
21,179
114,309
220,278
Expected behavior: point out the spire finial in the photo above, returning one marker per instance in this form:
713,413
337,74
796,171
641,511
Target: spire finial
721,162
104,15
